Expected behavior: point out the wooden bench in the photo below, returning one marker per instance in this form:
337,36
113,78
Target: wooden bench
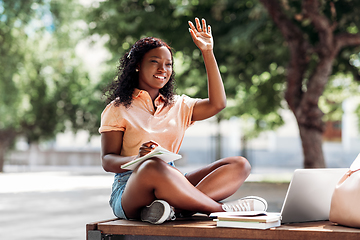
201,227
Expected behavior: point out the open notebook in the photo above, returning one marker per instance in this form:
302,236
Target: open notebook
158,152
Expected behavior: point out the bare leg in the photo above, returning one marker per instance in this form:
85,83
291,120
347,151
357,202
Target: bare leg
155,179
222,178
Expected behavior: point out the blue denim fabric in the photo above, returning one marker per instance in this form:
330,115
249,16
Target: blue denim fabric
118,188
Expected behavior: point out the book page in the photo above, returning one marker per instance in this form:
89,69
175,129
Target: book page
269,217
242,213
356,164
158,152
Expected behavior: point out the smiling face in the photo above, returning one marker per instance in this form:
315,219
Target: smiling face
155,70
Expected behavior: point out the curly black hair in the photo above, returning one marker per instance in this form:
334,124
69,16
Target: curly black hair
127,79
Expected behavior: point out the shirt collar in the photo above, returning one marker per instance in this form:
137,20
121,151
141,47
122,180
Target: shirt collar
136,92
142,93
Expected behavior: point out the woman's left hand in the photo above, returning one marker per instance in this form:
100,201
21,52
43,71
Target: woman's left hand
201,35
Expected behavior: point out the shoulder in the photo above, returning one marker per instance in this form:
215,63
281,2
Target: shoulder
185,100
112,118
113,108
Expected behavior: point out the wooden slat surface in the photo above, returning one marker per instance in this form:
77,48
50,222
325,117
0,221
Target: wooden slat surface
205,228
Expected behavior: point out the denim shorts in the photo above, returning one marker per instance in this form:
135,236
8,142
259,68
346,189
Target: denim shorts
118,188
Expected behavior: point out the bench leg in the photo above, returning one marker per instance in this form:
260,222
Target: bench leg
94,235
97,235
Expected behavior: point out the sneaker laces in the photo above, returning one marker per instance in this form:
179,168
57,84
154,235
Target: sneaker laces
237,206
172,216
249,203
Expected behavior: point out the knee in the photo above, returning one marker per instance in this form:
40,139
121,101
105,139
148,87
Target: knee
242,164
152,166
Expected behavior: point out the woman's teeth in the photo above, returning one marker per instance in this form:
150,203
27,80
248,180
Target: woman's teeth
160,77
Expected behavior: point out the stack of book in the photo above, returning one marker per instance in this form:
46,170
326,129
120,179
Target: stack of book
253,220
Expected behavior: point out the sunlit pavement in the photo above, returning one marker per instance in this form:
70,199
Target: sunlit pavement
56,203
52,205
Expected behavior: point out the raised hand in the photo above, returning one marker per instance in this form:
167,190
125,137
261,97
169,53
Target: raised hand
201,35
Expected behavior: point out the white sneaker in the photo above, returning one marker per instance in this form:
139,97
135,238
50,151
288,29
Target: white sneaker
250,203
157,212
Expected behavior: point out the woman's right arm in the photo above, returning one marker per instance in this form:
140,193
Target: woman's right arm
111,144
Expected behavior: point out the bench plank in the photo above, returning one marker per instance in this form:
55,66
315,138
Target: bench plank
205,228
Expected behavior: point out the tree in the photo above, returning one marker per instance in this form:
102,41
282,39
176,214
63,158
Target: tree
319,34
43,87
14,15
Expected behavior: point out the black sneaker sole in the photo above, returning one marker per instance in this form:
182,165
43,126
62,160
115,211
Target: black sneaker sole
153,213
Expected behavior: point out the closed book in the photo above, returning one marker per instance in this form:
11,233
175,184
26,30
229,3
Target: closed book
243,213
250,225
268,217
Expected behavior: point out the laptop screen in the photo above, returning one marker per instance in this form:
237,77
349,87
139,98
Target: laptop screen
308,197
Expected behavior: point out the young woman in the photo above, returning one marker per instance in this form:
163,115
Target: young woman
144,113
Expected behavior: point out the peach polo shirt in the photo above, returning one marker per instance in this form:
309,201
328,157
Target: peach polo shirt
140,123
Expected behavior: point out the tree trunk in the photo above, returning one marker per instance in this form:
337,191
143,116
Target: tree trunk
309,116
2,156
218,139
244,147
311,140
6,139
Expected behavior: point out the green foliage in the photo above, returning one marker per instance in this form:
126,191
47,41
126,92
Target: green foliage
44,88
339,88
13,16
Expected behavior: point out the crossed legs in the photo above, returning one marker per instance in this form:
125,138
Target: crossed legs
198,191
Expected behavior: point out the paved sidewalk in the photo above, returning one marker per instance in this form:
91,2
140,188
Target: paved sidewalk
56,203
52,205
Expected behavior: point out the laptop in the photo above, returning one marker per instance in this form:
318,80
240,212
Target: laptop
308,197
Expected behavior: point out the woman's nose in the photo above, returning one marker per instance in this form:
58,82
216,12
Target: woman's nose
162,67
